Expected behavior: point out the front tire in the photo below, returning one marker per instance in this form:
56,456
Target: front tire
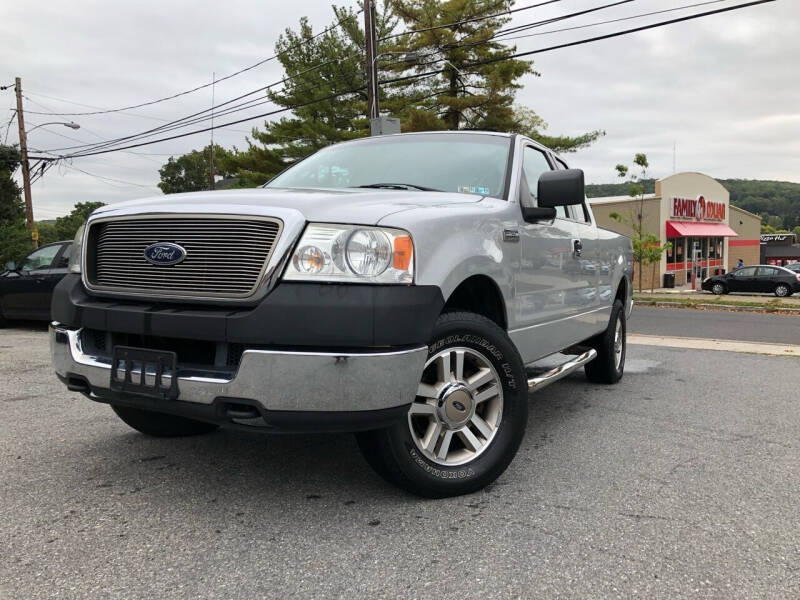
160,424
468,419
611,346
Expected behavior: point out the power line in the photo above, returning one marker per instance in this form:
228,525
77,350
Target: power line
197,117
108,179
468,20
618,20
522,27
434,72
51,111
205,85
628,31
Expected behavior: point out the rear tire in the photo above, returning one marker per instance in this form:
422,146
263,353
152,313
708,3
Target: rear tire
718,289
160,424
611,346
466,424
782,290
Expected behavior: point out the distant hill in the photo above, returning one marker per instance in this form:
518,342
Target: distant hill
778,202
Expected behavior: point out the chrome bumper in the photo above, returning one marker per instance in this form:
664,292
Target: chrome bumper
278,380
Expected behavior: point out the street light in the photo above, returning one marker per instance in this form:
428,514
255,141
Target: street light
71,125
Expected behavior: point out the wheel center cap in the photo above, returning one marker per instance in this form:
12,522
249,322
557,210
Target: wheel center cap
456,406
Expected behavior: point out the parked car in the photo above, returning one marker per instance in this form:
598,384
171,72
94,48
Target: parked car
793,267
394,286
765,279
26,288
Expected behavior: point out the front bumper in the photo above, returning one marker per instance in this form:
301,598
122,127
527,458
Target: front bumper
274,383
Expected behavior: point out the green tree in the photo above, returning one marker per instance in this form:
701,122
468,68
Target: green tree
534,127
464,96
643,242
479,79
651,251
47,232
15,241
192,172
66,227
317,67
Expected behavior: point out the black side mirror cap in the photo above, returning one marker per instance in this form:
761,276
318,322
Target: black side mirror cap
561,188
534,214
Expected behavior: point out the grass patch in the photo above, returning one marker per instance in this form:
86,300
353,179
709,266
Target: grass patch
694,302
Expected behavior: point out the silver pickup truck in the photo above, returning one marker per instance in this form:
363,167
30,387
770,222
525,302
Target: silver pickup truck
399,287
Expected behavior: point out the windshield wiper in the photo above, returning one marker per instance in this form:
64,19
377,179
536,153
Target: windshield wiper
398,186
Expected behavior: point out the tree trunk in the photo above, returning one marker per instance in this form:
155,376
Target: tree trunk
653,280
453,118
641,266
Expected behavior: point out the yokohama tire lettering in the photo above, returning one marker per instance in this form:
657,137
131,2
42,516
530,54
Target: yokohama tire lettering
431,470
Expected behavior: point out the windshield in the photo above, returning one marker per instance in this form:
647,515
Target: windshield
467,163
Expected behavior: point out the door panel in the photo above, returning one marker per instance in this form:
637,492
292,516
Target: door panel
742,280
766,280
26,295
556,286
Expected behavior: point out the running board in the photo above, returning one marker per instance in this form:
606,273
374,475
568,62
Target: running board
561,371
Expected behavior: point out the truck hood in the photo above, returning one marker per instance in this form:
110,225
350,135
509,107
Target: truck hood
356,206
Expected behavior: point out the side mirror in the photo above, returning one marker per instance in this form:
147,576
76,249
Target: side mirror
561,188
11,266
534,214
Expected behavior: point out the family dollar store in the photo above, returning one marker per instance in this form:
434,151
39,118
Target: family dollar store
692,211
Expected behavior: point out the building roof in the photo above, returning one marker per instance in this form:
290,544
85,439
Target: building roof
613,199
747,212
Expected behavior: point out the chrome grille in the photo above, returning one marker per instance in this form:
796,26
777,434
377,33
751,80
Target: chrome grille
225,256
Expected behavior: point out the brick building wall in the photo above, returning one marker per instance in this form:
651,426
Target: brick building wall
748,245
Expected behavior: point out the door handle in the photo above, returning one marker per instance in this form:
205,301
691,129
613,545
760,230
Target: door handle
577,248
40,280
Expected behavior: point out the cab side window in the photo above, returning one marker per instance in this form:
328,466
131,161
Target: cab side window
62,262
534,163
40,259
578,212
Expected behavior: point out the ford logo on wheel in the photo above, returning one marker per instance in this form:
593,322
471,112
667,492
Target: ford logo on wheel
164,254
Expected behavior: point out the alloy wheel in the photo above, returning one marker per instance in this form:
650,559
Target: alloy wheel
456,414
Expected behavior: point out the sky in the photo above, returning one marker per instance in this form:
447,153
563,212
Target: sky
719,95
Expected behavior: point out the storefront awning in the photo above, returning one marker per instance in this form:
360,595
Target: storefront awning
691,229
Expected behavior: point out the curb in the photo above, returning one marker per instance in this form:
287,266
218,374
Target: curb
725,307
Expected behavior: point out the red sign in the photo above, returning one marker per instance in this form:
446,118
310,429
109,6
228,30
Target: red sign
699,209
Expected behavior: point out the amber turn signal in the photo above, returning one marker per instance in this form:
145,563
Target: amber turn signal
403,249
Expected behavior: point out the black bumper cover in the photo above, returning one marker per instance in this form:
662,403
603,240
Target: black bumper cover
304,315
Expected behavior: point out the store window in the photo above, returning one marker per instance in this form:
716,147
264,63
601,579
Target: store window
675,253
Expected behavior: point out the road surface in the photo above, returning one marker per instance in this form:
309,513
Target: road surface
717,324
680,481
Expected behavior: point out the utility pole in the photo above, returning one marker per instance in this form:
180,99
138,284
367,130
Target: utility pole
213,183
373,109
23,147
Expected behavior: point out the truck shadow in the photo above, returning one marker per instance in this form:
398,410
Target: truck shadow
242,470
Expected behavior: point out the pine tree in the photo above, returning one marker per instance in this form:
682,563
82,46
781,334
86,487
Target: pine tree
315,67
479,80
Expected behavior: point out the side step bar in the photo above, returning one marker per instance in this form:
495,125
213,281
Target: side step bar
561,371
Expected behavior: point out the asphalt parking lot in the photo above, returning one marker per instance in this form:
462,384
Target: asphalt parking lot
680,481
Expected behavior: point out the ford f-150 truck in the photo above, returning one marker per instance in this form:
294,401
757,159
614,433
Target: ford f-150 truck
398,287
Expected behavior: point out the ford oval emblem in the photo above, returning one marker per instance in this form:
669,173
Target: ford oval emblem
164,254
459,406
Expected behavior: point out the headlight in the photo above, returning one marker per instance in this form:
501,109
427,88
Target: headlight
76,251
352,253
